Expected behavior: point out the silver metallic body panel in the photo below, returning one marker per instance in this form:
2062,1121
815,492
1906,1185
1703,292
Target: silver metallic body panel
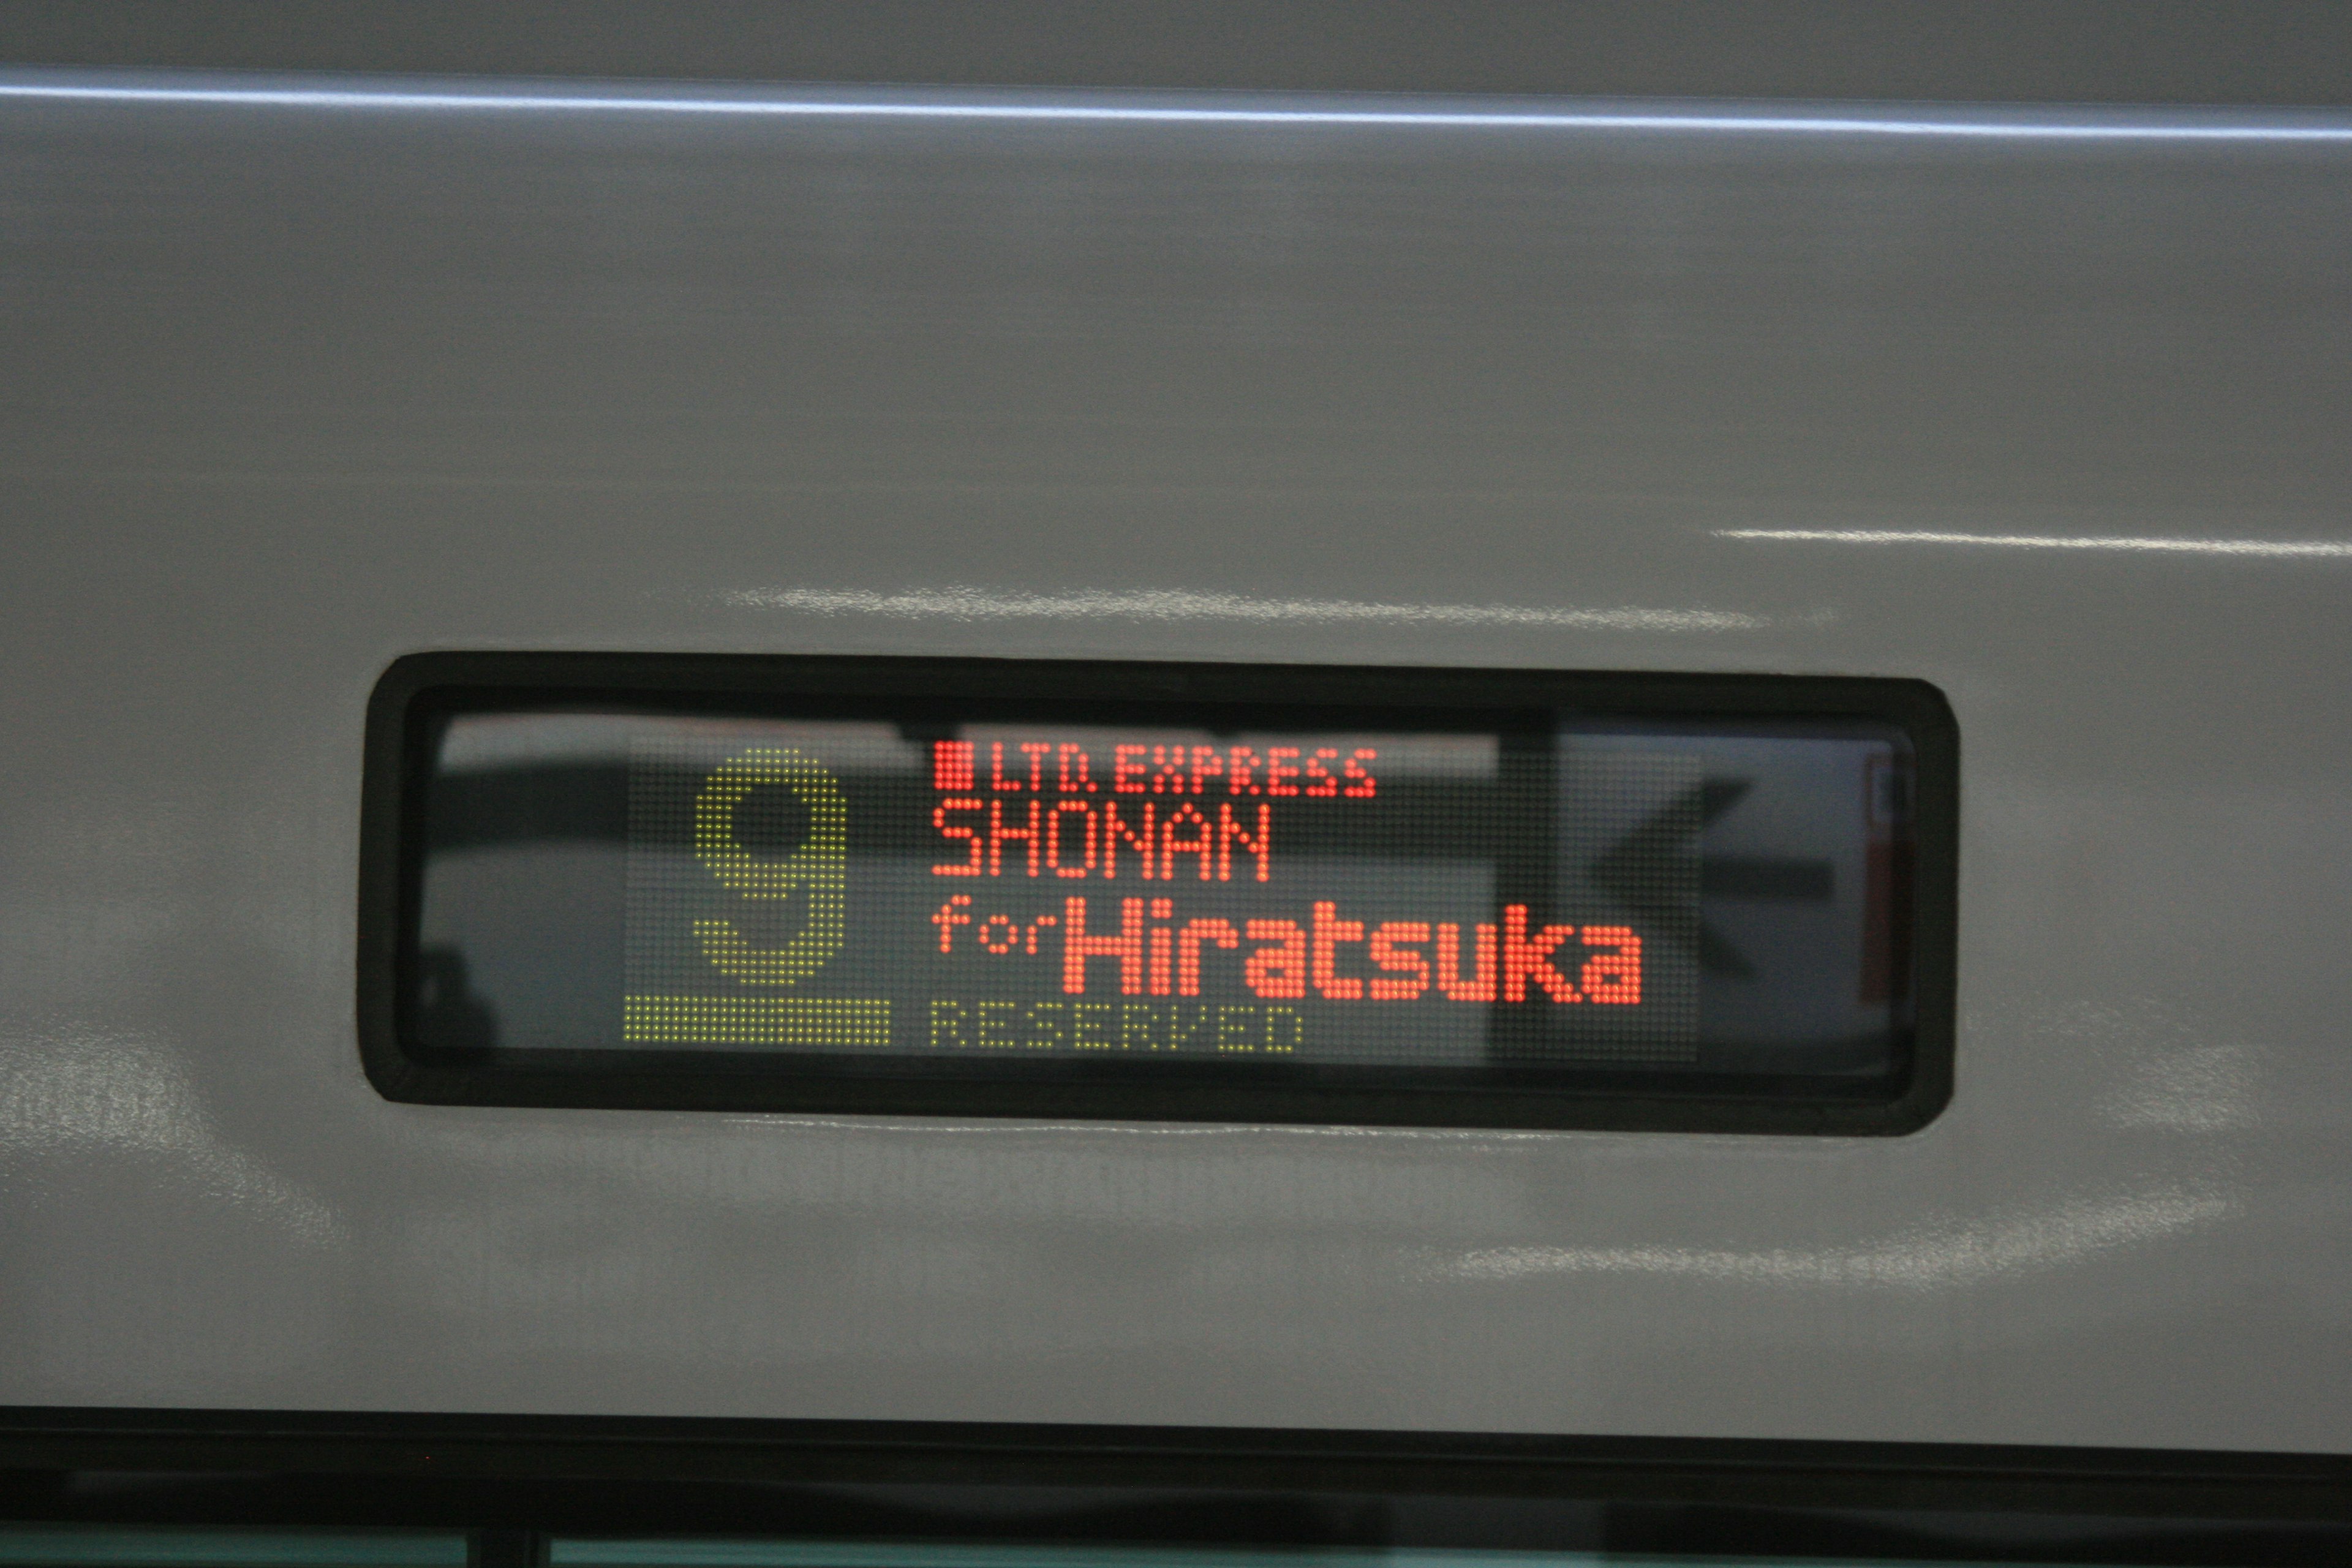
305,376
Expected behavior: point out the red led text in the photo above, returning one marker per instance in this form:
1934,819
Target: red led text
1147,950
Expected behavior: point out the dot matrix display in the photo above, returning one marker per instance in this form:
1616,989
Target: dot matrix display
1097,890
995,889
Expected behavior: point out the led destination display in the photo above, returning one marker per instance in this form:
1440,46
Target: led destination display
1154,892
896,900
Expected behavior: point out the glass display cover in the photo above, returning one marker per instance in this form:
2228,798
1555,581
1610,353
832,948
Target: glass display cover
1209,893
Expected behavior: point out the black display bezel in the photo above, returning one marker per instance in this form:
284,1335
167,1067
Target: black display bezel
420,687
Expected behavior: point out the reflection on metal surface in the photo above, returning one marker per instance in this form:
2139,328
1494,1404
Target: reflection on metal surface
78,1087
2198,1088
2294,547
2084,126
957,603
1929,1258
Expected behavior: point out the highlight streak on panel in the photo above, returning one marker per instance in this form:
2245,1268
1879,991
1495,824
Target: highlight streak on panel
2151,543
809,1023
309,92
959,602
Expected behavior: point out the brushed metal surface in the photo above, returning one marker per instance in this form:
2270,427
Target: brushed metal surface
304,375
